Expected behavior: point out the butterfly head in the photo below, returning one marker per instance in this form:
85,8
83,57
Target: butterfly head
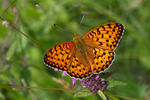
76,37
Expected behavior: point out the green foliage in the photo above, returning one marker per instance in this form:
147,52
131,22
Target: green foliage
113,83
101,94
11,50
83,93
21,61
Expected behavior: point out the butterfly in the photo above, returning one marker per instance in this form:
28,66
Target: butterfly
91,54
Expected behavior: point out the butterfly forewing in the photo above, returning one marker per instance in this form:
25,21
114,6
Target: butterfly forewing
105,36
60,56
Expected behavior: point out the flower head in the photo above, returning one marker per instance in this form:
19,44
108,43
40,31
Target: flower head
94,83
14,9
37,5
5,23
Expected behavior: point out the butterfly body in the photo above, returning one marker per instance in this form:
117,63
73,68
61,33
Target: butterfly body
82,51
93,53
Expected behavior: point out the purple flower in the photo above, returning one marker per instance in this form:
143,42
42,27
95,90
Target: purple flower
37,5
74,80
64,73
55,69
94,83
14,9
5,23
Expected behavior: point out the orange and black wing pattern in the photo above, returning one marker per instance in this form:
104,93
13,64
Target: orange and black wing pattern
105,36
60,56
99,42
102,60
78,70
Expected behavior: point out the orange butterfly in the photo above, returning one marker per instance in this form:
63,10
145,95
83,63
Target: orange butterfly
93,53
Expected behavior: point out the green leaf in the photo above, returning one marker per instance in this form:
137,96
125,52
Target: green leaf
82,94
26,75
102,95
11,50
2,96
110,95
113,83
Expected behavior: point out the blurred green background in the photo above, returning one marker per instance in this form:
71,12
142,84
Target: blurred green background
21,61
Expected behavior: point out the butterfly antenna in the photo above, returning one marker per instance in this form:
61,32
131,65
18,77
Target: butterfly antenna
81,20
61,29
12,26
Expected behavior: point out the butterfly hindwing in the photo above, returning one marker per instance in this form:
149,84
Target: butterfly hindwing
102,60
78,69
